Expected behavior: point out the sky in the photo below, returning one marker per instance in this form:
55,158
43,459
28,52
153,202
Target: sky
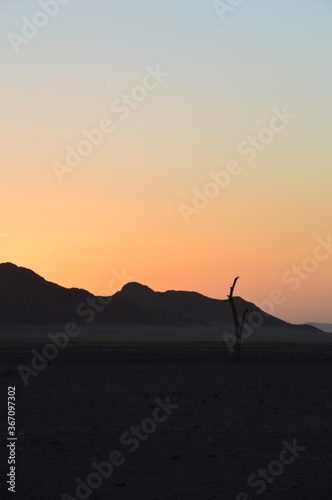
178,144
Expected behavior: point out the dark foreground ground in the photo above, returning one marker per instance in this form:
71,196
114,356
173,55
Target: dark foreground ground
232,419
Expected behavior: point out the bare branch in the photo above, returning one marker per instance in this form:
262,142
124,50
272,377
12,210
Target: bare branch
233,286
238,325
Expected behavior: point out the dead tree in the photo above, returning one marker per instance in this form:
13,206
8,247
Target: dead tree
238,321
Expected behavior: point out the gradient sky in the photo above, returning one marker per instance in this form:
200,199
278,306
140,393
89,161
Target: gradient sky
120,207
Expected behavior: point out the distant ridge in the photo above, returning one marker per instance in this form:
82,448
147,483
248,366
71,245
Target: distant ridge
27,298
325,327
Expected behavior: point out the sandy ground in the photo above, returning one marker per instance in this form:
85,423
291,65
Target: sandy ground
232,419
104,334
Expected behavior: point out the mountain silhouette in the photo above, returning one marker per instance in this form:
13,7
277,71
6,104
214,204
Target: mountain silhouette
27,298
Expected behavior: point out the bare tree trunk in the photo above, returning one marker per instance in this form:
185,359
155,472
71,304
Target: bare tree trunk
238,325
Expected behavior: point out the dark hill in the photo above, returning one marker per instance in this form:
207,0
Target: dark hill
26,297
